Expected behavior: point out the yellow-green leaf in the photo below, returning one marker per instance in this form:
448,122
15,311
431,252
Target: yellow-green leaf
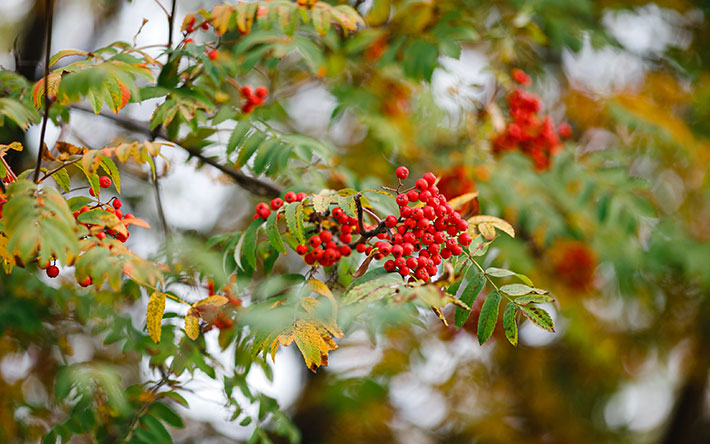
154,314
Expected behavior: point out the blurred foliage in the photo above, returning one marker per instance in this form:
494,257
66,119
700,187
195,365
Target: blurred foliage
616,228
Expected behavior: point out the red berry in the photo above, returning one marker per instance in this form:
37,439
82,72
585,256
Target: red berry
565,130
290,196
412,262
424,196
104,182
317,253
212,54
345,250
403,271
346,229
385,248
246,91
429,212
402,172
301,196
413,195
390,266
52,271
309,259
402,200
326,236
405,211
422,274
117,203
205,26
314,241
261,92
330,255
397,250
430,178
465,239
101,235
421,184
390,221
86,282
276,203
301,249
91,191
188,41
432,270
457,250
520,77
360,248
407,249
346,238
417,213
118,213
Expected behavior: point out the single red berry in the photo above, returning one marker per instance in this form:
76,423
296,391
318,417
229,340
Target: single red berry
346,229
412,262
85,282
345,250
91,191
331,244
190,29
422,223
465,239
432,270
390,266
101,235
520,77
326,236
422,274
390,221
403,271
118,213
400,262
424,196
407,249
290,196
205,26
418,213
309,259
402,200
436,259
117,203
402,172
457,250
421,184
276,203
413,195
314,241
246,91
346,238
434,249
565,130
360,248
188,41
429,212
261,92
104,182
385,248
462,225
397,250
331,255
317,253
301,196
52,271
430,178
301,249
212,54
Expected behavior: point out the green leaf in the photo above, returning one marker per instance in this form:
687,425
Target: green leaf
488,317
538,316
235,139
272,231
167,414
509,325
469,294
77,202
62,179
516,289
249,148
157,429
109,166
293,221
249,247
499,272
533,299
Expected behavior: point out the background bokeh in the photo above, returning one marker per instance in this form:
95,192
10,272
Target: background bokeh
618,227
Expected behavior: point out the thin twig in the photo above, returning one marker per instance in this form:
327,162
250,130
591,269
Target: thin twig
48,174
163,8
48,13
171,23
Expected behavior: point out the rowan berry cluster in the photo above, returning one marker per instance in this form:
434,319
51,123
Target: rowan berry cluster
530,132
114,207
253,98
427,231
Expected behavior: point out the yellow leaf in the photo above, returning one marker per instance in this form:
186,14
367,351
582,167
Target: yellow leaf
192,324
154,314
459,201
214,301
487,230
320,288
496,222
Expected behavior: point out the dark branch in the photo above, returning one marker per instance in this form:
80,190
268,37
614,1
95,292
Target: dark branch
49,12
250,184
171,24
366,234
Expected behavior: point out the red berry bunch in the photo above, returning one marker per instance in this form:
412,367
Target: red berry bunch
427,231
529,132
263,210
115,208
253,98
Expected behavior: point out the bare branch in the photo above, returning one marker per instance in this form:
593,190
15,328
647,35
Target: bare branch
48,14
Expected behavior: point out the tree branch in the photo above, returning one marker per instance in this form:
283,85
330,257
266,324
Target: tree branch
48,14
251,184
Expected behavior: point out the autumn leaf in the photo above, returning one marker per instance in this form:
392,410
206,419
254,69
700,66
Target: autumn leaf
192,324
154,314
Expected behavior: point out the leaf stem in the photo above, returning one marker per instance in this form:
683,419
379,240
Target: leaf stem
50,173
48,14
